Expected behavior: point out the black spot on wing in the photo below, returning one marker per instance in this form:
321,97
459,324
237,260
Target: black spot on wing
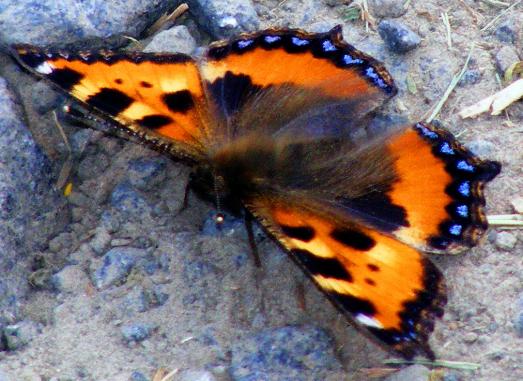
373,267
154,121
232,91
303,233
352,304
377,209
353,238
145,84
65,78
179,101
111,101
327,267
118,81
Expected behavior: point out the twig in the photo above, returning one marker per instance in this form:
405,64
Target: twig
496,3
165,18
446,23
495,103
451,87
502,14
438,363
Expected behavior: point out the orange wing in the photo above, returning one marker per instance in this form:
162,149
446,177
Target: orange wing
435,200
320,65
157,97
386,287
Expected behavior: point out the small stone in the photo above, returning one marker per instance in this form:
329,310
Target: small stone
100,241
452,376
127,199
518,323
225,18
411,373
470,77
43,97
61,240
482,148
18,335
470,337
505,57
505,240
507,32
146,173
78,199
4,376
517,204
71,279
387,8
196,375
138,376
177,39
116,265
398,37
136,332
92,165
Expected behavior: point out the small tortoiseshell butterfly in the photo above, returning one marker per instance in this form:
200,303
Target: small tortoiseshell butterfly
272,123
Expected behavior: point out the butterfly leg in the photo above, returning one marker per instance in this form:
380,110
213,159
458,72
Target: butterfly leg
252,240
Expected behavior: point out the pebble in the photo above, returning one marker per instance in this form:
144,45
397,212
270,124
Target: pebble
195,375
18,335
470,77
505,57
4,376
100,241
387,8
411,373
146,173
517,204
136,332
507,32
505,240
92,165
127,199
71,279
138,376
287,353
116,265
470,337
176,39
481,147
398,37
225,18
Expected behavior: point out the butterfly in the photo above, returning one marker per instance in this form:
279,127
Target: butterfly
273,123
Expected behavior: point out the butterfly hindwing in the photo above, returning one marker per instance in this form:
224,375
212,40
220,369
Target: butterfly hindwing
434,199
158,97
389,289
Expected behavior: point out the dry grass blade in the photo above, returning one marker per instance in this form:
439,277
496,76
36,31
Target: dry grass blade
370,373
164,375
448,30
505,220
498,17
165,19
65,171
495,103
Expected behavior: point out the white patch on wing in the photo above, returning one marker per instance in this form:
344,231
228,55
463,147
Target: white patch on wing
45,68
368,321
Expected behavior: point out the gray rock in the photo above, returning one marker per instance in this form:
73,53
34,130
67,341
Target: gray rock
138,376
196,375
146,173
50,21
101,240
25,197
92,165
288,353
125,198
518,321
176,39
387,8
116,264
71,279
225,18
4,376
506,240
470,77
137,332
517,204
507,32
505,57
18,335
411,373
398,37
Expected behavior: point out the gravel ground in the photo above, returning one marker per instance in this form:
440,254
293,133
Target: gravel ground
116,281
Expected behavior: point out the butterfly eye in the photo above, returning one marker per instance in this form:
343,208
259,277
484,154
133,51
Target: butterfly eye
219,218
